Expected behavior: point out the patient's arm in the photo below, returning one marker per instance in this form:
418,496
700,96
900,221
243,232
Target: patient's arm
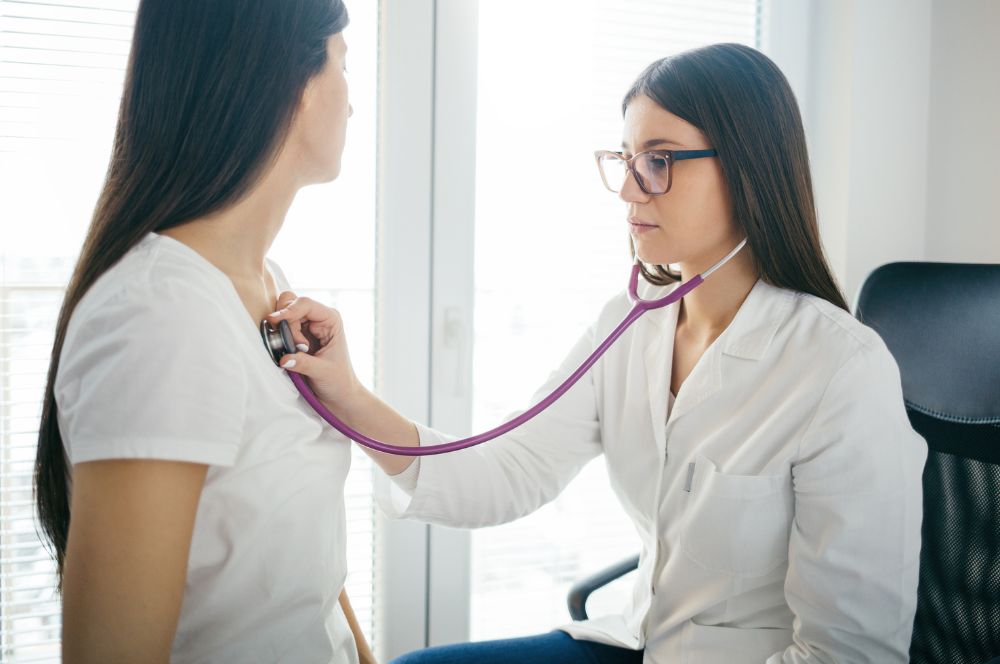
127,557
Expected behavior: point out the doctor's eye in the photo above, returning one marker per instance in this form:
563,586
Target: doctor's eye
656,162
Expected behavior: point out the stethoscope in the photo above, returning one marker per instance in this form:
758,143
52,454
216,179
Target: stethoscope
280,342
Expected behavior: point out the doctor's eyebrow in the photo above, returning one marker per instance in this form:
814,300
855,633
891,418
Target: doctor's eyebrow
652,142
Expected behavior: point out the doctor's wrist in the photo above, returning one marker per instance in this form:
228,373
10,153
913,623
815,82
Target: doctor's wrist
351,403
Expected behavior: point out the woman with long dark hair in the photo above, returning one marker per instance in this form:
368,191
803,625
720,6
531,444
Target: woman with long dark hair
194,503
755,432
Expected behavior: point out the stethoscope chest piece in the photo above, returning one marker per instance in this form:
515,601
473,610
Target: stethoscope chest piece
278,342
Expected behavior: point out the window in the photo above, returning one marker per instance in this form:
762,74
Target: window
61,73
550,78
551,248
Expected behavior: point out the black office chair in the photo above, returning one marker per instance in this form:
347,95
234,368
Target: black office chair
941,321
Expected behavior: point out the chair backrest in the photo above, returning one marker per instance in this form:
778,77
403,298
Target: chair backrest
941,321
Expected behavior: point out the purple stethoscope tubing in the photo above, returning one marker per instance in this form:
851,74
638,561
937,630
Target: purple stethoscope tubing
639,307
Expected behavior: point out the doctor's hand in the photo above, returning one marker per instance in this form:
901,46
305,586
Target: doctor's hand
323,357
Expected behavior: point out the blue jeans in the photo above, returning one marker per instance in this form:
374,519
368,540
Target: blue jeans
552,648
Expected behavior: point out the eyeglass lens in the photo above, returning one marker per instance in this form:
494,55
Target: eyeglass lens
653,171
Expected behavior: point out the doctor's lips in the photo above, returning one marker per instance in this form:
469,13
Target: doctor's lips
639,226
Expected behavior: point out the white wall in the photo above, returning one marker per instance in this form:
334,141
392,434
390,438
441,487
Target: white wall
900,99
963,210
868,98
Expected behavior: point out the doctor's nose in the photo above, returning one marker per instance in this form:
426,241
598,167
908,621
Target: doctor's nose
631,192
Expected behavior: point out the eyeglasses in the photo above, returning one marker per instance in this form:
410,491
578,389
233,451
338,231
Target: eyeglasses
651,169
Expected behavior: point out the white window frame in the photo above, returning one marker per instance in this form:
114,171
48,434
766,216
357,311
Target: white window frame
426,201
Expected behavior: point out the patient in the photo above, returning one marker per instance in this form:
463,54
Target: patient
175,462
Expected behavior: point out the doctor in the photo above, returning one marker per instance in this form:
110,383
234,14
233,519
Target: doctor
755,432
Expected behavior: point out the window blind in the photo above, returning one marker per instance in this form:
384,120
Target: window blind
61,68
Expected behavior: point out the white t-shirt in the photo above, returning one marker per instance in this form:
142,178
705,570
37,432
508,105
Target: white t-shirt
163,361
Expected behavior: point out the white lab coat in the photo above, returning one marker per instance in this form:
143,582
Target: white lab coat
779,506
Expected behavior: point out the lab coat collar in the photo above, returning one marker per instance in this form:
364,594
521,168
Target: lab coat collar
753,329
747,337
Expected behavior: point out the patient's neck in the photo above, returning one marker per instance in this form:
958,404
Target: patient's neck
237,239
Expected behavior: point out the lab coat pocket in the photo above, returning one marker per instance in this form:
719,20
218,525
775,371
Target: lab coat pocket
711,644
737,524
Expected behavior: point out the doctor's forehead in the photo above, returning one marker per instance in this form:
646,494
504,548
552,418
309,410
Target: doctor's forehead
649,126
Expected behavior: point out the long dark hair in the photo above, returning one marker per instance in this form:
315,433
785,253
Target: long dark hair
743,104
210,93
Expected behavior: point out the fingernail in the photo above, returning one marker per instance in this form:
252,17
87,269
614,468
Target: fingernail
288,365
276,313
303,347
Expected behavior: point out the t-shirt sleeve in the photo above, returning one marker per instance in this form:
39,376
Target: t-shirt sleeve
153,373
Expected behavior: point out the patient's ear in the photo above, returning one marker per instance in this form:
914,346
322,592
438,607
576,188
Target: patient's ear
305,100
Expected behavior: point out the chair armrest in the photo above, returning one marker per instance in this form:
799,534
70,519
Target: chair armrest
581,590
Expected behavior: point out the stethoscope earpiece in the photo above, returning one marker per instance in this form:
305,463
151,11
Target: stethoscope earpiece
278,342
